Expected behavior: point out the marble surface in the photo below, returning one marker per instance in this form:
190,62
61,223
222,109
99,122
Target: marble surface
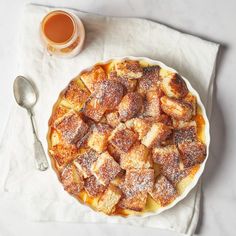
210,19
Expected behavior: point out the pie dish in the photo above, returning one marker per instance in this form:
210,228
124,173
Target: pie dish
128,137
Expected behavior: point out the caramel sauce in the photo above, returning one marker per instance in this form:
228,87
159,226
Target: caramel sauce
107,67
119,211
200,125
59,27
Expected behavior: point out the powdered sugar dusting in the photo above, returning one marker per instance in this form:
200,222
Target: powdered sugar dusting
138,180
163,191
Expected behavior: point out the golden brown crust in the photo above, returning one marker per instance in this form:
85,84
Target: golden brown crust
63,153
178,109
72,179
108,93
129,69
109,199
149,80
93,187
192,100
93,109
76,93
84,162
58,115
135,203
72,128
130,106
157,133
105,168
187,132
168,155
129,84
139,125
174,174
138,181
113,118
92,77
122,138
174,86
163,191
193,153
98,139
152,104
137,157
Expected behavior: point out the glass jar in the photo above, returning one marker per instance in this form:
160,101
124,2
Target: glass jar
63,33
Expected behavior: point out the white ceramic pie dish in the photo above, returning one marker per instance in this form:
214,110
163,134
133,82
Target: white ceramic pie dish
199,172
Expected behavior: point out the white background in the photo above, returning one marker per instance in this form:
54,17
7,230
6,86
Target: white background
211,19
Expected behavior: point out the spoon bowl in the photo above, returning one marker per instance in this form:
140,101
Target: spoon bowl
24,92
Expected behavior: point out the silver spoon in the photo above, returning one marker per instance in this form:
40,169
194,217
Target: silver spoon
26,97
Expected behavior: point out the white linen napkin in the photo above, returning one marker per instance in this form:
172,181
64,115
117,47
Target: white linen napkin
40,193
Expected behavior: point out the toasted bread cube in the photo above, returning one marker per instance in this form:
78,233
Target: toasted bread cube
72,128
99,138
107,96
129,69
157,133
63,153
109,93
129,84
72,179
114,152
130,106
174,86
109,199
168,155
177,109
186,132
149,80
90,78
192,100
93,187
105,168
94,110
163,192
122,138
84,162
137,157
113,118
151,72
139,125
193,153
135,203
173,173
152,104
138,181
75,94
59,114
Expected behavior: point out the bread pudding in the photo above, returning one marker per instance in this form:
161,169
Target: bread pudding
128,137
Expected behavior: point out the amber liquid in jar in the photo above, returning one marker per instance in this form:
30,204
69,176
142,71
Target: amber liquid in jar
63,33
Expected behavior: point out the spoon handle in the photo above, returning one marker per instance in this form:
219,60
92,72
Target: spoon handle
39,153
